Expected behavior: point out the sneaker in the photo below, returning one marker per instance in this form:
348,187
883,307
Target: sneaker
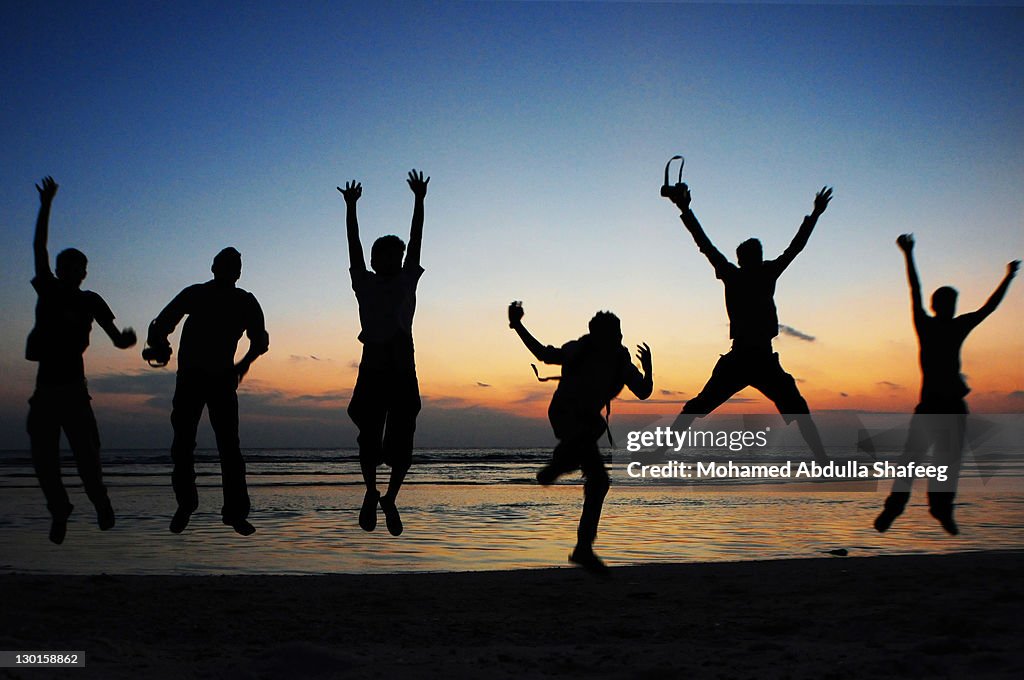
547,475
945,517
368,513
240,525
391,516
59,525
105,516
588,559
885,520
180,519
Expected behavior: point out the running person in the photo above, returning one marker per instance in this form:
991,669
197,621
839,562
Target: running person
595,368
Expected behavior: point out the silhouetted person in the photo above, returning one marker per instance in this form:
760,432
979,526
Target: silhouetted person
595,368
64,316
218,313
386,398
753,323
939,419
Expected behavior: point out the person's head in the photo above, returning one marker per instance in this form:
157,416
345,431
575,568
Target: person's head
749,253
944,302
606,329
71,266
227,265
386,255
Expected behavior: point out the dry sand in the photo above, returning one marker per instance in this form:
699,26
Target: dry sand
910,616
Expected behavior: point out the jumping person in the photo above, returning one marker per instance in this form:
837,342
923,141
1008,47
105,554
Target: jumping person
939,419
386,398
595,368
64,316
753,323
218,313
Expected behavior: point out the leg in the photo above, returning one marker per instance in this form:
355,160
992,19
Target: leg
773,382
44,434
369,415
223,409
400,428
918,441
595,488
726,379
186,410
84,439
948,437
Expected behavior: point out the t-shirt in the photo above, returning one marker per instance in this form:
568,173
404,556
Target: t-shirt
750,301
218,314
64,316
386,303
592,375
941,340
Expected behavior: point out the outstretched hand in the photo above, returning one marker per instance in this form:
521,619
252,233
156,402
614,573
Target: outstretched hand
352,191
48,190
821,200
417,183
1011,268
905,242
515,313
643,353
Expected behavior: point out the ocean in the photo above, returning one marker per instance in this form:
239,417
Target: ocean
480,509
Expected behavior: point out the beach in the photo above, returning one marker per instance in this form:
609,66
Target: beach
954,615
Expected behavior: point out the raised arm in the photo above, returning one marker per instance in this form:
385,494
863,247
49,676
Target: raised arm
352,191
906,244
803,234
419,189
993,301
259,340
680,196
545,353
42,257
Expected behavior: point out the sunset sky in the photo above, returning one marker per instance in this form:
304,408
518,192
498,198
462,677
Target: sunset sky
178,129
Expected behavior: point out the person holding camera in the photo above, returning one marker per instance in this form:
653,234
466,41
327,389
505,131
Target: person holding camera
218,313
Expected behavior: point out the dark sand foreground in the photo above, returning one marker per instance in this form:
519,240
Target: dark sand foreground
919,616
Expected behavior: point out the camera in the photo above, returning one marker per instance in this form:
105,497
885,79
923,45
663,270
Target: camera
667,190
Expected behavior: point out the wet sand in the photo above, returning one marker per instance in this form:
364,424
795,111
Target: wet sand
957,615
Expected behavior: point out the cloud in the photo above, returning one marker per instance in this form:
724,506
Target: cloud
1016,394
671,393
799,335
890,385
740,400
151,383
482,384
843,394
304,357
